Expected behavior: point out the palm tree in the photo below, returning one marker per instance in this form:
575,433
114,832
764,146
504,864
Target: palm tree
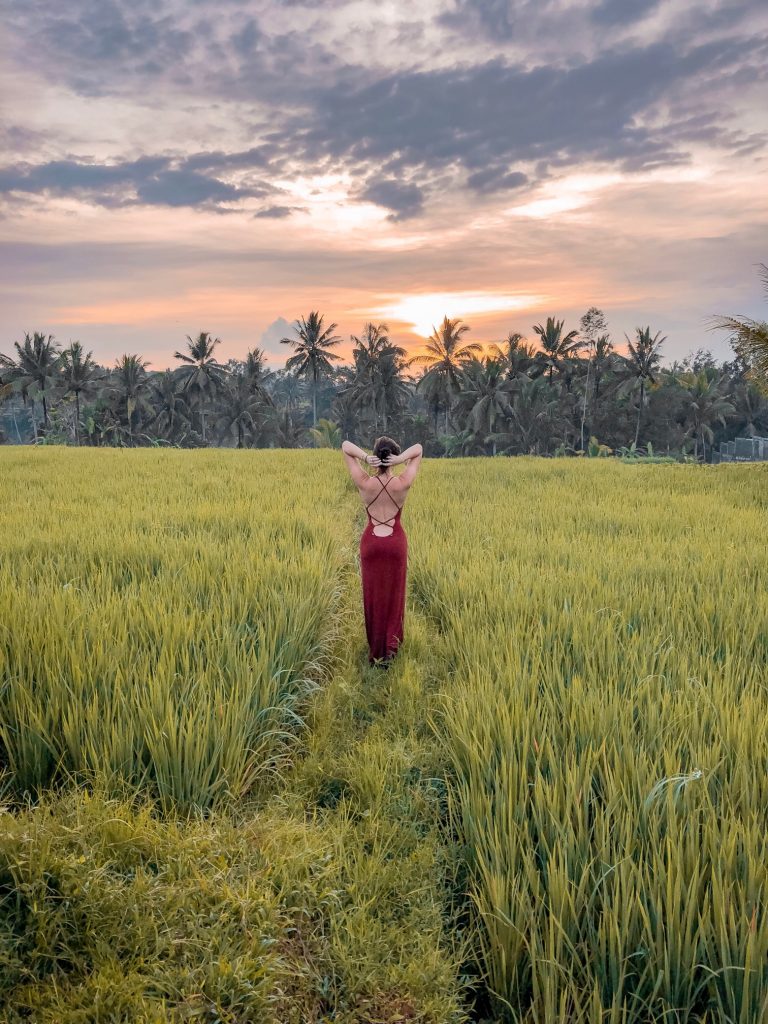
485,396
7,392
517,354
378,384
202,374
602,360
36,369
749,339
168,401
392,391
751,407
462,444
287,433
239,408
444,358
313,353
706,405
593,325
326,434
79,375
257,376
555,346
532,408
129,385
644,359
287,388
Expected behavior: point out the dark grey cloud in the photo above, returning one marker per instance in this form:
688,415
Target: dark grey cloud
494,179
496,19
148,180
246,39
103,33
404,199
276,212
188,188
622,12
495,114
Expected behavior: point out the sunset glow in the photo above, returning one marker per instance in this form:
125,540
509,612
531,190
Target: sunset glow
423,313
171,168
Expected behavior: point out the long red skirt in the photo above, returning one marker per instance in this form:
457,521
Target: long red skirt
383,564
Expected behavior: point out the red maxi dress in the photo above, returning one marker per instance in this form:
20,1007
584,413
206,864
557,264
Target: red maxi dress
383,564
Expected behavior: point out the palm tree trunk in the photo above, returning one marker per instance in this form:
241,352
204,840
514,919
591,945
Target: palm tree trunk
15,422
45,412
314,398
640,410
77,420
202,419
584,407
239,434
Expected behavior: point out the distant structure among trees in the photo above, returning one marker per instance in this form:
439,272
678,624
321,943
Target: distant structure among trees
742,449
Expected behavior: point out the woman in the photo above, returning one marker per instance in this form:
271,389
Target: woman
383,544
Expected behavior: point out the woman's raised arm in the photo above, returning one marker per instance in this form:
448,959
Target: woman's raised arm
349,448
412,456
351,454
414,452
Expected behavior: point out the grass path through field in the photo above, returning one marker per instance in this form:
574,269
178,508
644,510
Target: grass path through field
371,781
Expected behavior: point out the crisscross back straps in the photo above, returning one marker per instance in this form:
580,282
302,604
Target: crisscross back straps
382,522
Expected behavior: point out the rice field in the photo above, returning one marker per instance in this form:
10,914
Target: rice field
160,617
554,808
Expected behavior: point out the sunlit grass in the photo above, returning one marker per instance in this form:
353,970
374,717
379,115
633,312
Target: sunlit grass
606,718
161,615
580,705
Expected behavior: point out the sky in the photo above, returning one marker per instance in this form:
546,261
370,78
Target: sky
175,166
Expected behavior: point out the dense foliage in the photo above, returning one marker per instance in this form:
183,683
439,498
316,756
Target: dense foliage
571,393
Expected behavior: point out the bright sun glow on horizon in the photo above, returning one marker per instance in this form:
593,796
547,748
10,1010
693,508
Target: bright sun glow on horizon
424,312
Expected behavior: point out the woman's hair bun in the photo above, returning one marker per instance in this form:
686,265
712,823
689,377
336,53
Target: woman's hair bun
384,447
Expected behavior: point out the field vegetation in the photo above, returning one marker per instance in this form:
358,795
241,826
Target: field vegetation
553,808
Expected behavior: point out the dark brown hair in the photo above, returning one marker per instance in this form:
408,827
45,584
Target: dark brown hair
384,446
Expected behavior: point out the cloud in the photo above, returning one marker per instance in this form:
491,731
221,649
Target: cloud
270,339
622,12
277,212
148,180
494,114
488,124
403,199
494,179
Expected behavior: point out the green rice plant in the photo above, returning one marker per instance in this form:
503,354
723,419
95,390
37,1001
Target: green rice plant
605,723
163,615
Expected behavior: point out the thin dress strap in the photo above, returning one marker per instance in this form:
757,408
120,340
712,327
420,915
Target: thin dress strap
382,522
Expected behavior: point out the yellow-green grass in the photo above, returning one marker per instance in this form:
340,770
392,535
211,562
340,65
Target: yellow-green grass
607,725
161,613
323,894
581,705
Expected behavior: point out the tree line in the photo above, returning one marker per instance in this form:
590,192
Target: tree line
567,392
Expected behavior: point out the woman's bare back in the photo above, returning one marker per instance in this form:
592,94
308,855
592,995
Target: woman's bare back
383,497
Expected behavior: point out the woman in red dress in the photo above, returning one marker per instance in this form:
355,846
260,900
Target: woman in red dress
383,544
